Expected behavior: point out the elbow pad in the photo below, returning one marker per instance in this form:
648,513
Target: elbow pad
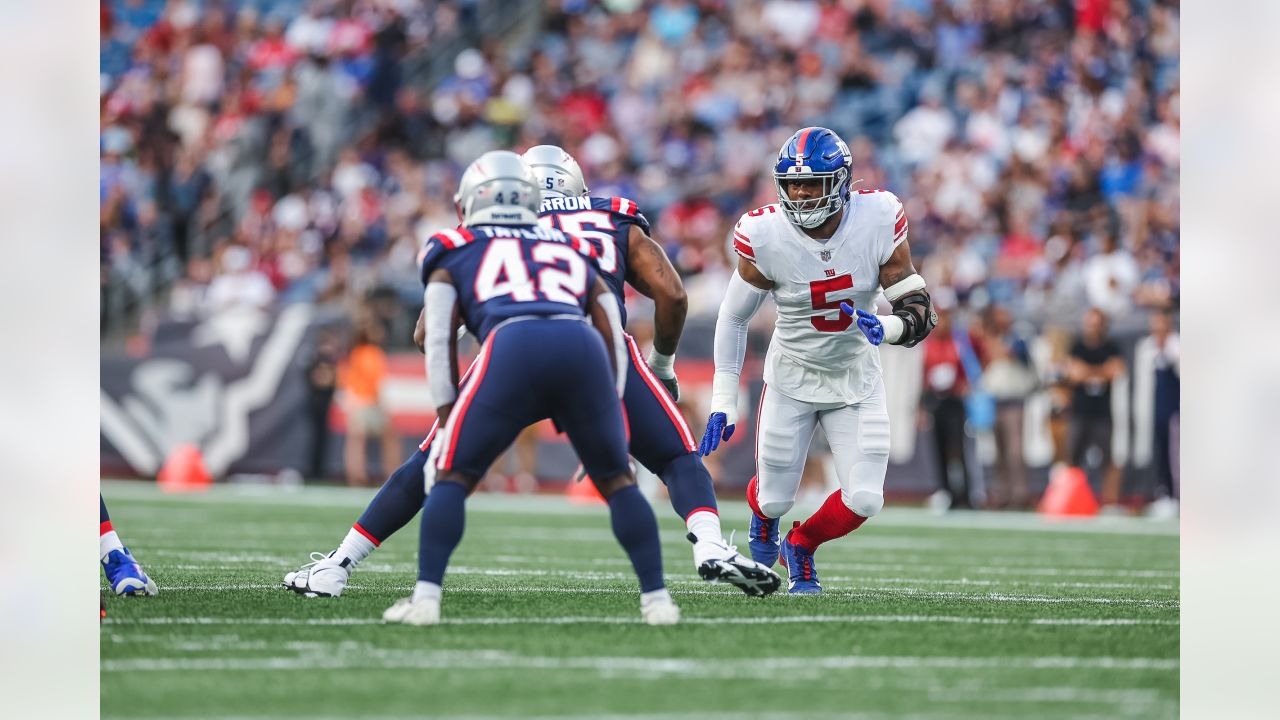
915,309
912,305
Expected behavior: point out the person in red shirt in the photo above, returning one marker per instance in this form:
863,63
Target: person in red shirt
945,388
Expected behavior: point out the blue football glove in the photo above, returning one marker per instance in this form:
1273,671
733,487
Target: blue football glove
868,323
716,431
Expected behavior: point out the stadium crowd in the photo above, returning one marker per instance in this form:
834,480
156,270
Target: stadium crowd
300,150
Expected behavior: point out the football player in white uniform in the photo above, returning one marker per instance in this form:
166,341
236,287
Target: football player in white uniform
823,252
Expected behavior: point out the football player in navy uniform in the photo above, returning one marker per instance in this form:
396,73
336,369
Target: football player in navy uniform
531,295
660,438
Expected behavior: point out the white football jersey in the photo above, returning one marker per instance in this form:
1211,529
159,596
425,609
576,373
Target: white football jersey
817,353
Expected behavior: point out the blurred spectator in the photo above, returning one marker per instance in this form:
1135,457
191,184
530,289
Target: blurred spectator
1110,278
1095,364
239,285
1053,367
362,377
322,381
972,112
1007,376
1163,345
945,387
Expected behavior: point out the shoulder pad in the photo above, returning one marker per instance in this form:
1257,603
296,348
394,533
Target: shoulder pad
441,243
884,208
627,209
751,230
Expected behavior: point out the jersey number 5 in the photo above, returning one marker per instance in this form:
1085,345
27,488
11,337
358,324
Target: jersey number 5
503,272
818,290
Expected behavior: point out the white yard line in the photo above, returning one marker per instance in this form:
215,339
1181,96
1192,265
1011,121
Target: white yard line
695,589
620,620
894,516
949,713
367,656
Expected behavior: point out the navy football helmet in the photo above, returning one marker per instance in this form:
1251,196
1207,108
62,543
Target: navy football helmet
814,153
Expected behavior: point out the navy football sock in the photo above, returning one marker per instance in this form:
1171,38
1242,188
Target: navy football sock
400,498
443,518
637,531
689,485
102,512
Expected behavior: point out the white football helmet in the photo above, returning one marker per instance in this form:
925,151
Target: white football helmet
498,189
558,173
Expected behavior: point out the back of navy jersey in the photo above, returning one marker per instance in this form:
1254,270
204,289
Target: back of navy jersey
606,223
506,271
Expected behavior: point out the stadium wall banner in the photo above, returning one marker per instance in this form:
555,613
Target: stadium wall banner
230,384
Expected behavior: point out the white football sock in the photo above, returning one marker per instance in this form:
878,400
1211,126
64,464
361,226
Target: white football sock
653,596
427,591
107,542
705,525
355,546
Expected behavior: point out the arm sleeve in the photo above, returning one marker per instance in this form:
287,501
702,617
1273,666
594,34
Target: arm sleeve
440,298
741,301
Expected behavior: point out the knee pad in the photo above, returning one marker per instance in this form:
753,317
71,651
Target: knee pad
776,508
866,503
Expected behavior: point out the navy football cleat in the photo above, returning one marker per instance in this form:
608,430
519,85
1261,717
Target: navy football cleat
125,575
764,540
803,579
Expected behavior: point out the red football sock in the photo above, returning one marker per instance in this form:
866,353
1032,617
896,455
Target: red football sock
753,488
834,519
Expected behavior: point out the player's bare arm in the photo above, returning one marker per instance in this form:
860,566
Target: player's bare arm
650,271
899,267
913,315
603,309
749,272
420,331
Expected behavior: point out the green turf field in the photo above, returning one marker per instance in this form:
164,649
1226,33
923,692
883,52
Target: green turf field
967,616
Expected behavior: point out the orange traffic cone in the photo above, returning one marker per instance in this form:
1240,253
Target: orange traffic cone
1068,494
581,490
184,470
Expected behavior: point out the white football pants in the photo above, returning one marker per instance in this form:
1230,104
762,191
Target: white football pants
859,439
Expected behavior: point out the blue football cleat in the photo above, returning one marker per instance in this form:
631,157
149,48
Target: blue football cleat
803,579
764,540
125,575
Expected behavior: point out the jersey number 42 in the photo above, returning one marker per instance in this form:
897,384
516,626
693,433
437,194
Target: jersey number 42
503,271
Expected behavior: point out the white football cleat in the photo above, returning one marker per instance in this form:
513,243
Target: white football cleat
940,502
1165,508
324,576
408,612
718,561
660,612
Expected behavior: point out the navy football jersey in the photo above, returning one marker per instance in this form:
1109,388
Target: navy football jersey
505,271
606,223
